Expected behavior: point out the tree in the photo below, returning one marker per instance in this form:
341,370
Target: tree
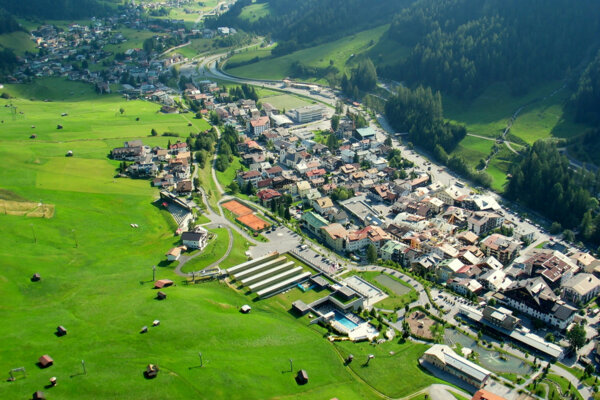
549,337
568,235
121,110
576,336
371,253
153,132
388,141
335,122
555,228
234,187
332,142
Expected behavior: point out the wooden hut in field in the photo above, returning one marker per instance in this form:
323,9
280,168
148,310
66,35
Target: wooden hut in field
45,361
36,277
302,377
161,283
61,331
161,295
39,395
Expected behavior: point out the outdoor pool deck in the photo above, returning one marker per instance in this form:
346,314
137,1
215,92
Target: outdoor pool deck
348,323
371,292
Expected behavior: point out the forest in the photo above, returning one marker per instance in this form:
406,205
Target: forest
419,113
57,9
463,46
544,181
585,102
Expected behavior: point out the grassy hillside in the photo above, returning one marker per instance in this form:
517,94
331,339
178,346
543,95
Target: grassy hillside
20,42
254,12
96,269
342,52
541,115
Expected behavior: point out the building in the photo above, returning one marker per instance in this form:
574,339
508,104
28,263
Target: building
581,288
485,395
335,236
259,125
196,239
444,358
482,222
314,222
175,253
535,298
504,249
364,133
306,114
266,196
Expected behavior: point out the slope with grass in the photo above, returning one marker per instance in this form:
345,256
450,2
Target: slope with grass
20,42
96,281
340,53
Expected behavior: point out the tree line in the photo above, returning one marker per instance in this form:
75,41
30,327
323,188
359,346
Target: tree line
585,102
544,181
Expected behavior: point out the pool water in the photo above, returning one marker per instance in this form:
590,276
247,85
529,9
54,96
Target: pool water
344,321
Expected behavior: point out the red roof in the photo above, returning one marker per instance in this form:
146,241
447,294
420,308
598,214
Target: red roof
162,283
268,194
485,395
261,121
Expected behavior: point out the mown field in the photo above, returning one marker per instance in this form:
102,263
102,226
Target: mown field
96,273
341,53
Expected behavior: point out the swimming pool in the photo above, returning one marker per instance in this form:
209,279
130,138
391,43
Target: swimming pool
339,317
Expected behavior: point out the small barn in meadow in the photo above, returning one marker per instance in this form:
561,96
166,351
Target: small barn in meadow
45,361
161,283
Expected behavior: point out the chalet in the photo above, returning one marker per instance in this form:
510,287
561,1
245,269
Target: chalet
196,239
128,153
248,176
267,196
535,298
178,147
184,187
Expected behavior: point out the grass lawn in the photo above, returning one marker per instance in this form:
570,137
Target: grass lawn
393,300
458,396
208,184
238,251
564,386
96,274
214,250
473,149
342,52
19,41
395,375
255,11
226,177
539,390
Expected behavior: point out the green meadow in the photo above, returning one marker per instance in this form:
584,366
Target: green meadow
342,53
542,116
255,11
97,277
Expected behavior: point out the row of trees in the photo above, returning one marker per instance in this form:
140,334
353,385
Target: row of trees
463,46
543,181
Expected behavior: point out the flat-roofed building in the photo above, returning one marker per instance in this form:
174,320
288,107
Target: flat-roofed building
444,358
306,114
